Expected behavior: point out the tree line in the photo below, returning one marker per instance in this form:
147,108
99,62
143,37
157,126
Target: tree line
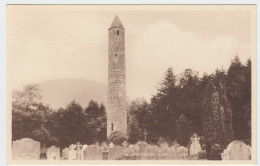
62,127
215,106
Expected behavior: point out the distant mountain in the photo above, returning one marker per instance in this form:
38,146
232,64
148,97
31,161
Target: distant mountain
59,93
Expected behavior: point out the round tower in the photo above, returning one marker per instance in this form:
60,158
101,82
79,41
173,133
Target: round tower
116,111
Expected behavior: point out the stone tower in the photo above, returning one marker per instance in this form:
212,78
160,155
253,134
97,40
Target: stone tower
116,112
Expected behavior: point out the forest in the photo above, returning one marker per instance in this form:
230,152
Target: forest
216,106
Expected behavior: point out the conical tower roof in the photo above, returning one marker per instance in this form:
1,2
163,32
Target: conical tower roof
116,23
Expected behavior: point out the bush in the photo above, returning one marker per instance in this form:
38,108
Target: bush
202,154
215,152
203,147
117,138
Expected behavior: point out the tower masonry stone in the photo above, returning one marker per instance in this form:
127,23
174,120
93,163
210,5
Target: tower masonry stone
116,111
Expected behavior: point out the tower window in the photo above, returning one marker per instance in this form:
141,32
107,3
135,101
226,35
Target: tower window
117,32
116,54
112,127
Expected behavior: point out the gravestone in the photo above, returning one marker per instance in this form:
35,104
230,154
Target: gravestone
105,150
136,148
43,155
153,151
53,153
175,147
195,145
72,152
182,151
26,149
111,145
143,146
84,147
164,151
164,145
82,150
125,144
65,153
115,152
92,152
78,148
237,150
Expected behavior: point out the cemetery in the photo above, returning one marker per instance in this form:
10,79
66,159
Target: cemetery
190,117
28,149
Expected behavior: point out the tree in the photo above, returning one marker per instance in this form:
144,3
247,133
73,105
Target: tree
217,116
239,94
163,107
28,98
96,119
189,98
29,116
139,120
183,130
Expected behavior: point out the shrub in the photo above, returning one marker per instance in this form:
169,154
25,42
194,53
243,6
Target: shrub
202,154
162,140
203,147
215,152
117,138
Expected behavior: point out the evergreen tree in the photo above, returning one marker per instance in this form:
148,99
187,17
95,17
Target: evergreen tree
217,116
163,107
183,131
239,94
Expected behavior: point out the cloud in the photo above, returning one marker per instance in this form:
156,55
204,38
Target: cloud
163,44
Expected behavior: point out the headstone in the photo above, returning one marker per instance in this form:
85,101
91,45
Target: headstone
65,153
195,145
104,146
92,152
72,152
182,151
43,155
153,151
125,144
143,146
105,150
78,148
136,148
115,152
82,150
164,145
111,145
237,150
53,153
84,147
26,149
175,147
131,145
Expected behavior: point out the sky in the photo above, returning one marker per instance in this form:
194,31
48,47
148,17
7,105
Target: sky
46,42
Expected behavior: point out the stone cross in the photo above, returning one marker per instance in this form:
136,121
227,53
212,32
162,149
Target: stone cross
72,153
72,147
78,147
104,146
